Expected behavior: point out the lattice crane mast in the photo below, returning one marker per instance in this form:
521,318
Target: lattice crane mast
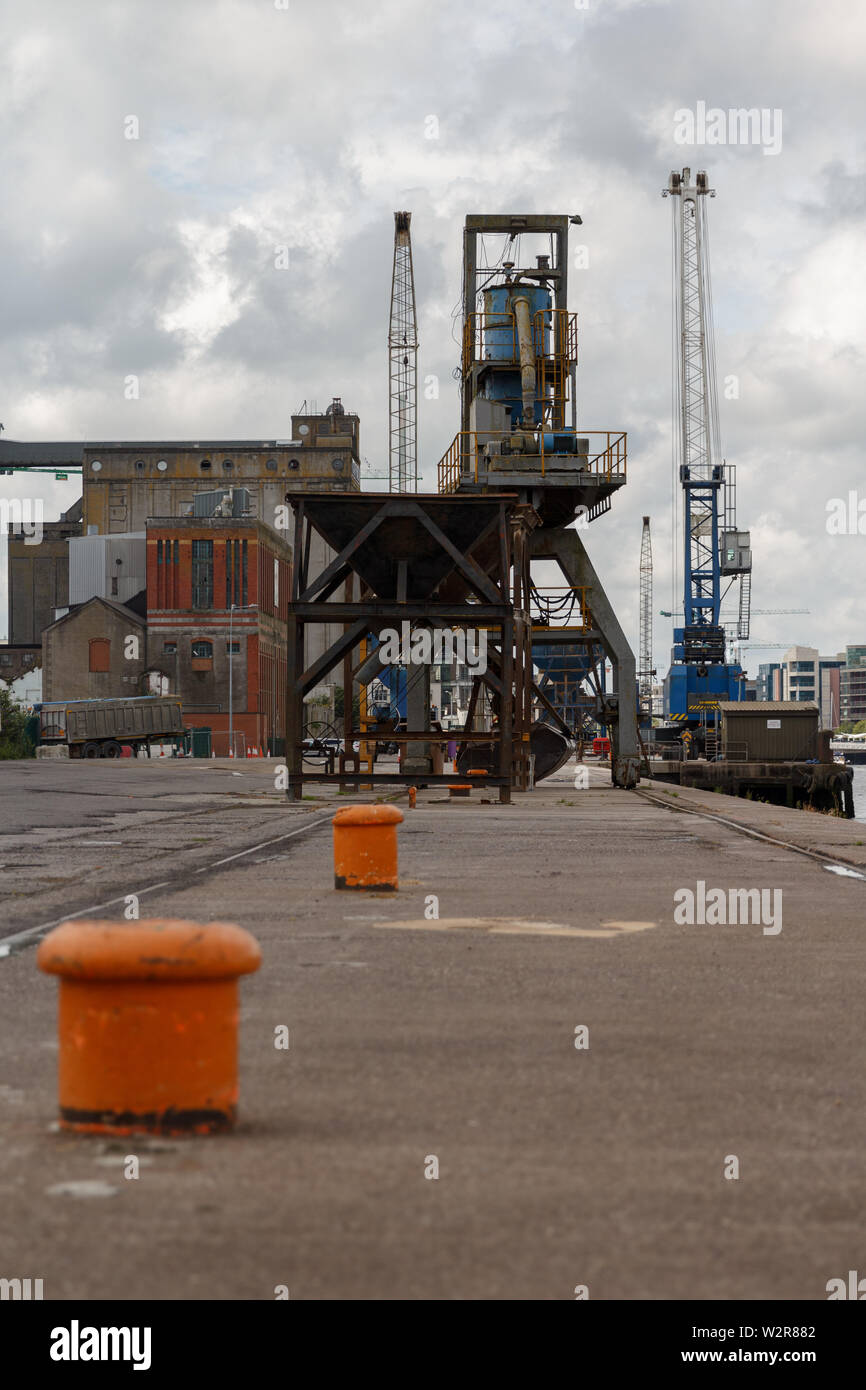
403,365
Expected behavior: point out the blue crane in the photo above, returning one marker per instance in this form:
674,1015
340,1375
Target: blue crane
713,548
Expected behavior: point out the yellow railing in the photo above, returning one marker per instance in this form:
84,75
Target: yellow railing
554,341
554,334
465,461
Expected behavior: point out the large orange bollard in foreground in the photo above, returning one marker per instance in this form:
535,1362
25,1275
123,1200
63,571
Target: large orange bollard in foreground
365,847
148,1024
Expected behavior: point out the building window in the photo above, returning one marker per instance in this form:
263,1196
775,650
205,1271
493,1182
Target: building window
169,648
271,465
233,648
202,656
228,465
139,465
100,654
276,585
205,464
202,574
236,574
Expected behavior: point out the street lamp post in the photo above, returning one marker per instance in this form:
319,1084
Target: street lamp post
231,672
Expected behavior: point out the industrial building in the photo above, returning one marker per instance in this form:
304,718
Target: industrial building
217,590
38,575
194,535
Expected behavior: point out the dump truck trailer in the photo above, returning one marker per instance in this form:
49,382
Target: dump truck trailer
100,728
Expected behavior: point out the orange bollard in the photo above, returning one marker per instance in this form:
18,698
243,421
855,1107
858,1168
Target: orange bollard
459,788
365,847
148,1023
413,795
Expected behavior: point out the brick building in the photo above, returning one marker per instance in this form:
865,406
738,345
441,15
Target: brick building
95,651
197,569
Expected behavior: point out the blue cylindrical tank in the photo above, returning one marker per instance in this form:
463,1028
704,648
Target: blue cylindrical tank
500,341
500,336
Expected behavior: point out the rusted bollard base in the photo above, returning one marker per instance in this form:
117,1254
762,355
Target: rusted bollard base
344,883
172,1123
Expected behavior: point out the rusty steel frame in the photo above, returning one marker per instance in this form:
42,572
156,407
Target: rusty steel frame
497,604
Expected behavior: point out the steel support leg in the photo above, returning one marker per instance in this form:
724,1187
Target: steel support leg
567,548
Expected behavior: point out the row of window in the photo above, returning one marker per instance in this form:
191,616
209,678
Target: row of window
206,465
100,651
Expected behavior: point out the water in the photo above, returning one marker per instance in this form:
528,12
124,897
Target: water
860,792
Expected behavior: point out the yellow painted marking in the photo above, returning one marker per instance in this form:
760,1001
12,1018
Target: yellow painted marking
516,926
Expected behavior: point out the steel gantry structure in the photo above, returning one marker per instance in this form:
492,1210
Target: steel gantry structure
402,365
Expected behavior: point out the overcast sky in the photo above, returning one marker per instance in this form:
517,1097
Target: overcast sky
306,124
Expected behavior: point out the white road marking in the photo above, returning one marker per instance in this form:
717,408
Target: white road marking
89,1187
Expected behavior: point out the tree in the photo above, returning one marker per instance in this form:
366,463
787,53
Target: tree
339,704
14,742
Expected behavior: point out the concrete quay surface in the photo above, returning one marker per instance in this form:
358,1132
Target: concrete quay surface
414,1037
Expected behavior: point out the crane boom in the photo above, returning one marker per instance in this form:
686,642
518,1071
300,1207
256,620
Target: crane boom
402,365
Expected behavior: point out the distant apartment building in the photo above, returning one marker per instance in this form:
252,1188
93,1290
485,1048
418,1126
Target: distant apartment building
807,676
852,700
769,681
